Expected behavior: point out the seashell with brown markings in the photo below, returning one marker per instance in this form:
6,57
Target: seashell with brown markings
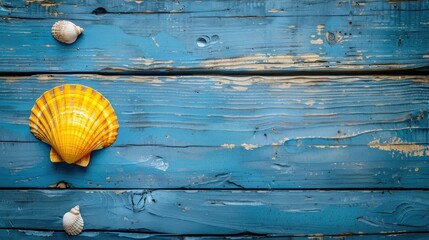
66,31
73,221
75,120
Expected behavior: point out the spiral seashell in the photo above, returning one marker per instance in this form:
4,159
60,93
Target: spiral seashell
73,221
66,31
75,120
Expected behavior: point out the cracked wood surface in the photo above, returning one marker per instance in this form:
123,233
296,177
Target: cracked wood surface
217,36
221,212
233,132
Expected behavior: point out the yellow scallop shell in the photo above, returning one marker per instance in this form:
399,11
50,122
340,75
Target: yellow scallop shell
75,120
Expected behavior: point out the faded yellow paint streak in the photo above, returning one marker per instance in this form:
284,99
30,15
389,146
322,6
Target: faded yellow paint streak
396,144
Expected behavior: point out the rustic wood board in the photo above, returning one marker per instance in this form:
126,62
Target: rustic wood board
233,132
218,36
106,235
217,110
27,165
221,212
247,155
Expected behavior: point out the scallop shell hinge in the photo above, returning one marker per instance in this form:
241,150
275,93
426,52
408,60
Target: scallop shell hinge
73,221
75,120
66,31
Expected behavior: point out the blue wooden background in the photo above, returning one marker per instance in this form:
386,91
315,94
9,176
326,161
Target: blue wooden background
238,119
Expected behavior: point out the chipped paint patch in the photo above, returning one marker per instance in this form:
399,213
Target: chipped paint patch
151,62
283,85
266,62
354,3
282,141
317,41
310,102
48,77
396,144
119,192
426,56
239,88
249,146
228,146
273,10
96,76
145,79
320,28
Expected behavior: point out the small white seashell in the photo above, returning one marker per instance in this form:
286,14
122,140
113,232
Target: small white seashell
66,31
73,221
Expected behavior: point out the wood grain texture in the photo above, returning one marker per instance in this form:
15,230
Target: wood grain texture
233,132
27,165
105,235
221,212
219,36
232,157
217,110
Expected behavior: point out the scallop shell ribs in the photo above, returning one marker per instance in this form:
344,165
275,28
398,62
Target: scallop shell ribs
66,31
75,120
73,221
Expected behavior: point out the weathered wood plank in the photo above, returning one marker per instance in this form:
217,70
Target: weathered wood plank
222,212
233,132
217,110
142,36
310,166
94,235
